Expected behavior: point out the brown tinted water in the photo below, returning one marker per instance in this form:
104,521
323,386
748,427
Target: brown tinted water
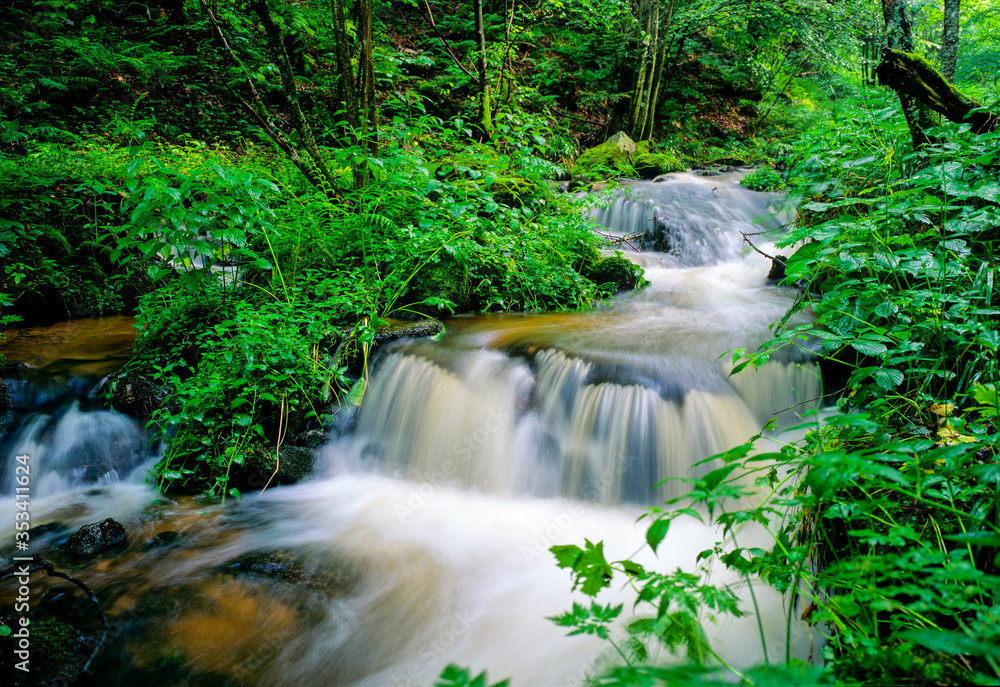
85,347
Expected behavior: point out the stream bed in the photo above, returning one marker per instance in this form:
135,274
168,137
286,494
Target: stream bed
423,539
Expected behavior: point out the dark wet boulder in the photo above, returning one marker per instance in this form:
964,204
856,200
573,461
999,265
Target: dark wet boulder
270,466
283,566
135,394
777,272
5,400
97,537
312,438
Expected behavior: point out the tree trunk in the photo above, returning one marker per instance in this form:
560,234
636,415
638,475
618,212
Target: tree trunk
949,39
345,78
366,78
918,80
318,173
899,37
484,117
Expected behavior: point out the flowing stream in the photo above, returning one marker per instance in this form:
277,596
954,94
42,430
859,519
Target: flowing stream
424,538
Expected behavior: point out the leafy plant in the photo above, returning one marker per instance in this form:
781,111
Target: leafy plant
763,179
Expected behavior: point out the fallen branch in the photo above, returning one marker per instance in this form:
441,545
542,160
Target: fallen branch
618,240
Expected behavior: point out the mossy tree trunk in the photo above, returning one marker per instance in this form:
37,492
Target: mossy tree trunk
949,39
484,117
917,79
899,37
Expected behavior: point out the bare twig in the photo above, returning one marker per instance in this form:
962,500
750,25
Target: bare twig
447,46
811,400
618,240
746,239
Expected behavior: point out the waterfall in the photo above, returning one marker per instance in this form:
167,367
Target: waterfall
424,538
697,219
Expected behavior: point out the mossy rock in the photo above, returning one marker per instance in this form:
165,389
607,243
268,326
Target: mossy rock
516,191
446,279
314,438
56,651
649,163
293,464
99,254
350,353
616,155
135,394
614,274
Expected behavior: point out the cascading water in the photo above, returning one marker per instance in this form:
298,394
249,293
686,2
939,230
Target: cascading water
425,540
696,219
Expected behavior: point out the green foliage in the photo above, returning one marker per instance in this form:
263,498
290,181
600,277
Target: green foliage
763,179
456,676
53,257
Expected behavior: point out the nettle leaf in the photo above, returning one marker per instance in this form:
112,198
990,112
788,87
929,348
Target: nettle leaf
868,347
888,379
591,570
656,532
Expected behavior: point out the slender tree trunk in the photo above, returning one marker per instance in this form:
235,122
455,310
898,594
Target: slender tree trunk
345,77
899,36
320,173
484,117
366,78
639,90
949,39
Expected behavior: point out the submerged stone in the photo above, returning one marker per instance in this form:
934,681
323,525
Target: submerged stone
164,540
285,567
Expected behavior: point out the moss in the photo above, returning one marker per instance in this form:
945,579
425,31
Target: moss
613,157
925,65
54,653
651,163
614,274
446,279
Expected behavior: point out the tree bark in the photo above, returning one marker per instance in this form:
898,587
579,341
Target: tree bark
320,176
919,81
484,117
366,79
899,36
949,39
